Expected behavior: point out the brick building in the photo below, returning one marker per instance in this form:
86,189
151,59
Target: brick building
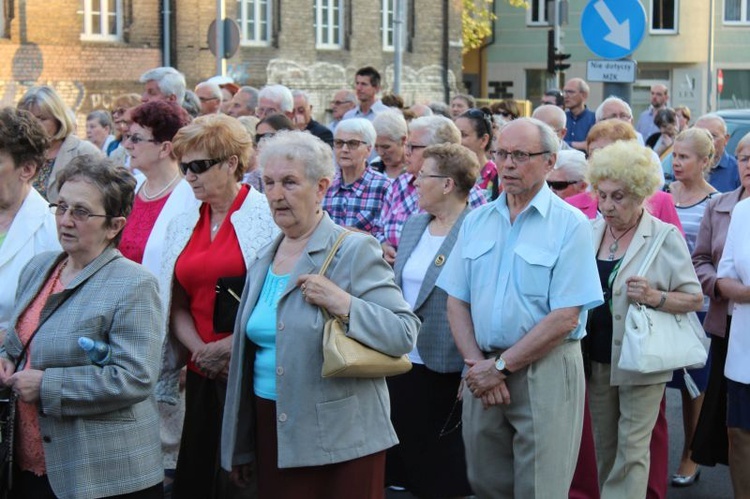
93,50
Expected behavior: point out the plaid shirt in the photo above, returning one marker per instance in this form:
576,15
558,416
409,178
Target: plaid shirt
401,202
358,204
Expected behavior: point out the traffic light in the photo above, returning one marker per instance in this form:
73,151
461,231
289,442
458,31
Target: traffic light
560,61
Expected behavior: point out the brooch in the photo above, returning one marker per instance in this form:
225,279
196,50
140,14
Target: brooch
439,260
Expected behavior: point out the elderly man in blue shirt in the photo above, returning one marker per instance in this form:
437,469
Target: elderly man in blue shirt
520,281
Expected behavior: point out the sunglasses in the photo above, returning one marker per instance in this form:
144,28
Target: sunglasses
559,185
261,136
199,166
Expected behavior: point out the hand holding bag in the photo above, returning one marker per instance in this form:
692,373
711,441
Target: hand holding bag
345,357
658,341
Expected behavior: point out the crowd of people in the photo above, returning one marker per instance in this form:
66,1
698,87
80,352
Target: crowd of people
500,253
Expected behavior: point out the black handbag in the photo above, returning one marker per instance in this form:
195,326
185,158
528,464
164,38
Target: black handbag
227,304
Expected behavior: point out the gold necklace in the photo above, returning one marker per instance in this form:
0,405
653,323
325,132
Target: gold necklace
616,245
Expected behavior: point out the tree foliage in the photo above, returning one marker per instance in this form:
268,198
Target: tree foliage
477,18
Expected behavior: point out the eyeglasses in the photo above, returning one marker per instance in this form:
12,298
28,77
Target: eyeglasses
410,147
421,175
261,136
78,214
199,166
559,185
517,157
622,116
340,102
137,139
743,159
206,99
351,144
266,111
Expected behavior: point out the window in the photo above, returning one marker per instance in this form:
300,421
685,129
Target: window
536,15
328,22
387,28
102,20
736,11
254,18
664,16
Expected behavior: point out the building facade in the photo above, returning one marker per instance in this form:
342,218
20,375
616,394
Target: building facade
686,43
94,50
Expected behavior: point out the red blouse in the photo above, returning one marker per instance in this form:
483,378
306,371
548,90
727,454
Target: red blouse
139,226
203,261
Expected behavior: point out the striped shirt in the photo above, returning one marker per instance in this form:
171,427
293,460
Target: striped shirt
358,204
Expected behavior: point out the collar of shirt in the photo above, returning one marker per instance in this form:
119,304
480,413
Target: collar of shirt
358,186
540,202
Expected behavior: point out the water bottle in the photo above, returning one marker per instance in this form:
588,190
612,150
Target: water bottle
98,351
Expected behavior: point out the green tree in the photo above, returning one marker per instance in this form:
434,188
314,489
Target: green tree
477,18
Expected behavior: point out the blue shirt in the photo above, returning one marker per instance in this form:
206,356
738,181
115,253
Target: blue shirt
261,330
724,177
579,126
513,275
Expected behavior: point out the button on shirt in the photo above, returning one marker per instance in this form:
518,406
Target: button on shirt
358,204
579,126
514,275
402,201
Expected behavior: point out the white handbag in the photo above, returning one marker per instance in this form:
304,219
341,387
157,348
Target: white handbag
658,341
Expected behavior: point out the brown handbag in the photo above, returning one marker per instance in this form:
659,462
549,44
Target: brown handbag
345,357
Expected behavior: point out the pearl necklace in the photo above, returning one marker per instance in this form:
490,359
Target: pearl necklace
152,197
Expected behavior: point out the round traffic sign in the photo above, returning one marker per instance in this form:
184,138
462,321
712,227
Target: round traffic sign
613,29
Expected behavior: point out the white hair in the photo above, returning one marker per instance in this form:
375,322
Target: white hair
360,126
170,81
280,94
573,163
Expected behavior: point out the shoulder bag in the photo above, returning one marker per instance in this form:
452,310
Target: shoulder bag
658,341
345,357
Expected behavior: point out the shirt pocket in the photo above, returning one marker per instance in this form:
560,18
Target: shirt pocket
478,248
533,269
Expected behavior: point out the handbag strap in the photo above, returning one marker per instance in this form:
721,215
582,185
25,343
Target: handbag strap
327,263
332,253
653,250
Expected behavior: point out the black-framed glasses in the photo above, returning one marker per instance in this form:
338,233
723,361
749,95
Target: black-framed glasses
410,147
517,157
207,99
261,136
351,144
76,213
199,166
559,185
137,139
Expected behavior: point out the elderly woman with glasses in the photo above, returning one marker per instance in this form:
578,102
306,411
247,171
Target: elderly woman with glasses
47,106
86,428
401,199
476,135
429,460
306,435
205,259
355,197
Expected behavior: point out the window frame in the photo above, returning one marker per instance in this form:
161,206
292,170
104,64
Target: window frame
266,35
744,16
388,13
660,31
329,28
86,29
543,15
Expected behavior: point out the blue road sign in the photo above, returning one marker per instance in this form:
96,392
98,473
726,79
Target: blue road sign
613,29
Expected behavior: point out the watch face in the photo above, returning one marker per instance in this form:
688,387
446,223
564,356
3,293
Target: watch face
500,364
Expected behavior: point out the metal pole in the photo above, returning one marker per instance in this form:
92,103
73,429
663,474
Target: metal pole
221,63
555,11
167,42
398,43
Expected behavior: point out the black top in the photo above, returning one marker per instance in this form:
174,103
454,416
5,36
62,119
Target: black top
600,319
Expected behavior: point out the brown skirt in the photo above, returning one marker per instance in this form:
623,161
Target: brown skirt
362,478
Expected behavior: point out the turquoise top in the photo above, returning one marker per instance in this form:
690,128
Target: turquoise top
261,330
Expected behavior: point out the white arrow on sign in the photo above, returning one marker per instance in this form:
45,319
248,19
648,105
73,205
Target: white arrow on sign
619,33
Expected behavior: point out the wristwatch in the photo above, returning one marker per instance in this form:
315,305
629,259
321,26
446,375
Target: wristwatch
500,366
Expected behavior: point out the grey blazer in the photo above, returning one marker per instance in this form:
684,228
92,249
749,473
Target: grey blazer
99,426
320,421
435,342
71,147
